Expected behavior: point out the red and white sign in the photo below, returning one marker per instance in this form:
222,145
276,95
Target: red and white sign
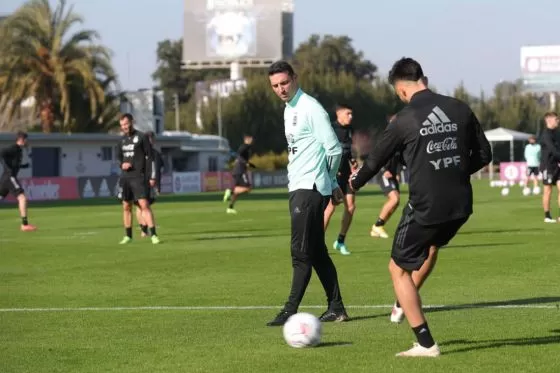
513,171
544,59
48,189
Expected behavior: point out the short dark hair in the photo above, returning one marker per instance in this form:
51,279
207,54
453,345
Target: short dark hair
20,135
406,69
550,114
127,116
281,67
341,106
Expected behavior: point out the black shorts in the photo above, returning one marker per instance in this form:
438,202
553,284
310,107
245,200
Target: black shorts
412,240
551,175
307,208
132,189
242,180
151,196
10,184
342,180
388,185
532,171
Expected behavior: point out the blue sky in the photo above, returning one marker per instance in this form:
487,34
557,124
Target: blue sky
475,41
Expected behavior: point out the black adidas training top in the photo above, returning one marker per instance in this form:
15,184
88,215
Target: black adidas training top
442,144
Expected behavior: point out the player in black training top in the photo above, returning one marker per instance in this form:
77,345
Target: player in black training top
135,155
343,129
11,159
389,183
442,144
550,163
240,174
155,190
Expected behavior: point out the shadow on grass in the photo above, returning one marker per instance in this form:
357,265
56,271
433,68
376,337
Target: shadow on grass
474,345
333,344
484,231
514,303
467,245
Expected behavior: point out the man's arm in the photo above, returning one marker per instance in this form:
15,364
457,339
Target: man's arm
481,152
6,157
548,141
322,130
149,154
526,152
390,142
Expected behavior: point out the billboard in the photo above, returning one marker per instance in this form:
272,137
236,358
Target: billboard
250,32
540,68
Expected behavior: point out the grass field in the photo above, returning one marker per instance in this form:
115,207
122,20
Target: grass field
72,300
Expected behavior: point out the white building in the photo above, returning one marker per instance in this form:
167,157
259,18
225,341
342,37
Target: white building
84,154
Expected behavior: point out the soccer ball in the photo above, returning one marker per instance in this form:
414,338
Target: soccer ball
505,191
526,191
536,190
302,330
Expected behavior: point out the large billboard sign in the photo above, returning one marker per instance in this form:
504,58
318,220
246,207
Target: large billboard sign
540,68
250,32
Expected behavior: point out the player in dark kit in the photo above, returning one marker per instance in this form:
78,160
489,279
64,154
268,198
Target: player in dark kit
135,155
550,163
155,190
343,129
442,144
11,162
389,183
240,174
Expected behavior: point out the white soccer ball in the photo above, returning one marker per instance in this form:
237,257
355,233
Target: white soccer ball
505,191
536,190
302,330
526,191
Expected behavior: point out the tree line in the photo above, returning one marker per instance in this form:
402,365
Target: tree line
66,83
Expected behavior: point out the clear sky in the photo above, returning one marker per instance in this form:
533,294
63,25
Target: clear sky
475,41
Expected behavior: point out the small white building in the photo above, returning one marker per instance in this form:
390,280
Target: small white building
85,154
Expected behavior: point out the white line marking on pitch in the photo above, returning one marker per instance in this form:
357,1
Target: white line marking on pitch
233,308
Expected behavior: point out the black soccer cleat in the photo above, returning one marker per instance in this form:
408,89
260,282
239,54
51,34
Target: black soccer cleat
336,316
280,319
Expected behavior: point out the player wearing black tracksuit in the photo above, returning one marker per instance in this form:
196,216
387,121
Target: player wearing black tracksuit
442,144
550,162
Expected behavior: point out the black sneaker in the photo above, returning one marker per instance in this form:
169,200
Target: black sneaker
336,316
280,319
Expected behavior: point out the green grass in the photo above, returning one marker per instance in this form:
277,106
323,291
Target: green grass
505,255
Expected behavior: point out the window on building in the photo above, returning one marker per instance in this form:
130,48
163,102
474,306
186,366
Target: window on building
106,153
212,164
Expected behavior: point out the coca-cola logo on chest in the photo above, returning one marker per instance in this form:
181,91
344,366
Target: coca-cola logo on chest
449,143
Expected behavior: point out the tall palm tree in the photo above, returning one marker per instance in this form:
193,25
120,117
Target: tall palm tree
40,60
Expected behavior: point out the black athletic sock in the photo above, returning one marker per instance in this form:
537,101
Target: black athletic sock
547,215
424,336
153,231
24,220
341,238
128,231
231,205
380,222
397,304
144,228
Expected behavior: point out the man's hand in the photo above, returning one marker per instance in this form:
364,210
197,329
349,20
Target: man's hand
126,165
152,182
337,196
354,172
387,175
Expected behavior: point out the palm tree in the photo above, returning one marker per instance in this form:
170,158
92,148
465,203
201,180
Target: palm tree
39,60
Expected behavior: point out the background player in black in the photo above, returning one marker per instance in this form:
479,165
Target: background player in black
155,190
135,155
442,144
389,183
343,129
550,163
240,174
11,162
